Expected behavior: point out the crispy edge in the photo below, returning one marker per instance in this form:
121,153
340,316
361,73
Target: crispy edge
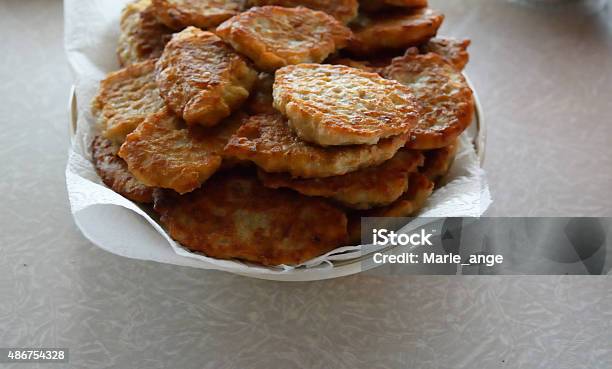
240,33
206,97
343,10
253,143
400,30
108,89
323,127
177,17
154,167
427,136
364,189
115,174
219,218
453,50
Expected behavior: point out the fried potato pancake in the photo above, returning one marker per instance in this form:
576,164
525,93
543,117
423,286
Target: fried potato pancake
377,5
261,100
343,10
397,30
125,99
201,78
453,50
179,14
438,161
409,204
364,189
274,36
268,141
446,100
234,217
142,36
162,153
115,174
337,105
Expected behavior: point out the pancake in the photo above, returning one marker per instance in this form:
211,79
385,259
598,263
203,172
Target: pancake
332,105
343,10
125,99
162,152
267,140
234,217
445,98
395,30
205,14
202,79
274,36
367,188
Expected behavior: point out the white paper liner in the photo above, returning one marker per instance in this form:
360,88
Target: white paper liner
116,224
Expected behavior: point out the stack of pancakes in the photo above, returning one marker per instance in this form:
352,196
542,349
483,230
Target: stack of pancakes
264,131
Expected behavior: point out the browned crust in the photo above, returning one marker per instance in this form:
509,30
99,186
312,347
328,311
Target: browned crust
201,78
234,217
333,105
453,50
447,103
343,10
397,30
364,189
115,174
205,14
125,99
274,36
268,141
162,153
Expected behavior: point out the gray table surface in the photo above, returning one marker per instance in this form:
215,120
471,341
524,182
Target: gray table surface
545,83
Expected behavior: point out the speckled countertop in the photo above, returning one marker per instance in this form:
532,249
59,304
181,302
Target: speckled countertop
544,80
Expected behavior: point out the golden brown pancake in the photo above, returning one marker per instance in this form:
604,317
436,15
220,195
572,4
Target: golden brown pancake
202,79
274,36
395,30
267,140
453,50
234,217
205,14
161,152
446,100
367,188
343,10
331,105
125,99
